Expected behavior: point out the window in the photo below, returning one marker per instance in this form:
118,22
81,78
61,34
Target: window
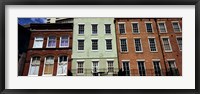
138,46
123,45
176,27
149,27
95,44
107,28
108,44
64,41
135,27
172,70
80,44
62,65
110,66
80,67
38,43
152,44
49,63
95,65
51,42
126,68
179,41
81,29
94,28
122,28
162,27
157,69
141,68
166,44
34,65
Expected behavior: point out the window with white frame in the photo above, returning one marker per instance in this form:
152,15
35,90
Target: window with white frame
152,45
157,69
64,41
107,28
95,66
62,65
108,44
48,67
34,65
94,28
122,28
80,44
162,27
110,66
81,29
135,27
179,41
123,45
141,68
126,68
149,27
51,42
166,44
138,45
176,27
38,42
80,68
94,44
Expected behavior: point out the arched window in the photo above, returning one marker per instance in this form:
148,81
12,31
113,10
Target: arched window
48,66
62,65
34,65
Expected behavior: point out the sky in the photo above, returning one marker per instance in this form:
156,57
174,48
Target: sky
24,21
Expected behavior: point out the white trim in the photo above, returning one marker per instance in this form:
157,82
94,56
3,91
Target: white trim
128,66
105,28
112,66
177,42
140,60
125,60
97,44
80,74
171,59
137,27
30,67
155,44
169,44
48,42
95,60
178,26
109,59
106,44
151,26
81,23
155,59
164,25
140,44
126,45
92,29
35,42
83,45
96,66
158,60
144,68
60,42
58,66
94,23
124,27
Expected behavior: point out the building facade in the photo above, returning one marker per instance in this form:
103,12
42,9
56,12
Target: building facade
94,47
50,49
145,46
59,20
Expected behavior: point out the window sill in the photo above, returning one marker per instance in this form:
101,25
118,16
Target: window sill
139,52
63,46
94,34
95,50
168,51
50,47
80,51
80,34
136,33
153,51
108,50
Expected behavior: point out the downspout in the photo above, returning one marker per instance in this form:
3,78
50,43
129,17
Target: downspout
161,45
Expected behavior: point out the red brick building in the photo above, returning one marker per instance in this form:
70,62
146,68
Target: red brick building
148,46
50,49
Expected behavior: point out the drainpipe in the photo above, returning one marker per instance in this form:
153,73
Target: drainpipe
161,45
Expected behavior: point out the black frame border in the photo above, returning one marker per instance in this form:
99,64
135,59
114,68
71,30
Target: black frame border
3,3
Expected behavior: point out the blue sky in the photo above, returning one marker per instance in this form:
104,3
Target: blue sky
24,21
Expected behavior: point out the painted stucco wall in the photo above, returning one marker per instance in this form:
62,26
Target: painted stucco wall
88,55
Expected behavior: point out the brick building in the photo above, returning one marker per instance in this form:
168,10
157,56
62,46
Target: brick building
50,49
148,47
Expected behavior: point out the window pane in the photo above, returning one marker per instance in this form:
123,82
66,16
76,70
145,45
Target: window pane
94,29
166,44
138,45
109,44
162,27
152,44
123,45
52,41
80,67
121,29
157,69
148,27
94,44
80,44
176,26
179,40
64,41
135,27
81,29
141,68
38,43
110,66
107,28
126,68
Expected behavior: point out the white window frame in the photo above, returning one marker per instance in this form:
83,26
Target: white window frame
128,65
106,44
178,44
137,27
35,42
64,63
92,67
140,43
105,28
154,60
155,44
169,43
78,43
151,26
124,27
97,44
48,42
83,28
31,65
164,26
171,60
126,45
92,29
44,66
112,66
80,74
141,60
178,26
61,40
